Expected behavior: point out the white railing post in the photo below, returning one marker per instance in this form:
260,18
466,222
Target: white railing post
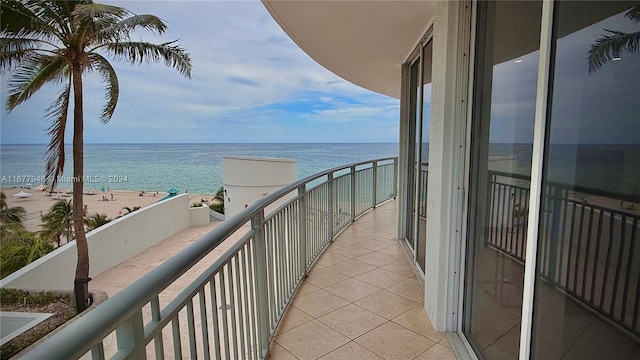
262,297
330,204
302,229
130,337
375,185
353,193
395,178
156,316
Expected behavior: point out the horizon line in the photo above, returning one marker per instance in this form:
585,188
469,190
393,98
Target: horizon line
217,143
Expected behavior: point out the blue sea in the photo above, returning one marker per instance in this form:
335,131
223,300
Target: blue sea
196,168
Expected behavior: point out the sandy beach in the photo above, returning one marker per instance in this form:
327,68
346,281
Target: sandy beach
110,203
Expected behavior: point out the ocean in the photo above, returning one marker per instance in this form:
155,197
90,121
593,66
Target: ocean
196,168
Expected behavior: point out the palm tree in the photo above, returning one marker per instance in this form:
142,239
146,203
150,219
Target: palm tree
610,46
48,41
95,221
21,248
58,221
219,195
219,201
10,215
130,210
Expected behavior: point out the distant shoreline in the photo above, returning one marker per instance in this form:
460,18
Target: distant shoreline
110,203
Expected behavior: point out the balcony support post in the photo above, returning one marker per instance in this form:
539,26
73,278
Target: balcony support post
353,193
262,297
331,194
375,185
302,228
395,178
130,337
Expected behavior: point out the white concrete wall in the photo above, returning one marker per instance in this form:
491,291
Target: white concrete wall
109,245
247,179
199,216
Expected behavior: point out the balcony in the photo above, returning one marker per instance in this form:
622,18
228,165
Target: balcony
361,300
321,275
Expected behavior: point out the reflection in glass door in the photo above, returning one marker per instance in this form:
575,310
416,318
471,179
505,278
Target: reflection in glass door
587,287
508,38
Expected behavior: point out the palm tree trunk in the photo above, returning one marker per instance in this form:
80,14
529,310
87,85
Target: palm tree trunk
81,283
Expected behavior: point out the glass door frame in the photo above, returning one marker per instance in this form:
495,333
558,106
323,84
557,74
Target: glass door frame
412,147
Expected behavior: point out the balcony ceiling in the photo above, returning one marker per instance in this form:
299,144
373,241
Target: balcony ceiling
364,42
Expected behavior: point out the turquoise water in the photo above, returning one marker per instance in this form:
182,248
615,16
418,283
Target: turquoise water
196,168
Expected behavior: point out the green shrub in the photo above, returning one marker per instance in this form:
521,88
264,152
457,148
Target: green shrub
217,207
20,249
15,296
11,296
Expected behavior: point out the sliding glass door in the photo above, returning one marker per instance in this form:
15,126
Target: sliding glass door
587,285
419,99
507,55
555,140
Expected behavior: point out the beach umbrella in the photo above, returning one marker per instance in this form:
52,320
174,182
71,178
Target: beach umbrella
22,195
172,191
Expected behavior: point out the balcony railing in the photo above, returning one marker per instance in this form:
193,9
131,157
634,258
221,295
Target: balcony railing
589,251
230,310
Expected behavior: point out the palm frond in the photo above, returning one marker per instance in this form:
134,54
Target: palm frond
57,116
634,13
88,19
12,215
137,52
13,51
58,221
96,220
31,19
110,78
15,17
36,71
121,29
58,14
608,47
90,11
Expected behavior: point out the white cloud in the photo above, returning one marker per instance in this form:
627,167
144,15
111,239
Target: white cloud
242,62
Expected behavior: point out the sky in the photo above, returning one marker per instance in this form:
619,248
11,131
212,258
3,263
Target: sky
250,83
601,107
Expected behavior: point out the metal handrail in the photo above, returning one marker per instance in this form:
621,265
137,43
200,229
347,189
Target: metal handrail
123,312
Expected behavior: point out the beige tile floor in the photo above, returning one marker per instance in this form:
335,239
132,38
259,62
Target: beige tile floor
361,300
